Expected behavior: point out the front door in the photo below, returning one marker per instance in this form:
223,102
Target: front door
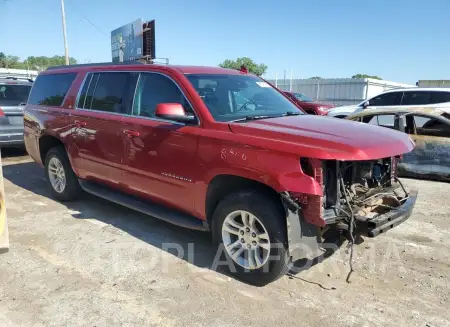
161,154
99,145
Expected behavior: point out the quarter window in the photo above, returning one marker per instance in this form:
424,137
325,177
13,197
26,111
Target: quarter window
51,89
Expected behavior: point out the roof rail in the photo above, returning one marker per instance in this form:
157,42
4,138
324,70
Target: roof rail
15,78
97,64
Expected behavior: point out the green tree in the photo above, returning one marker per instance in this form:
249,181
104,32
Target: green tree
42,62
2,60
365,76
33,63
254,68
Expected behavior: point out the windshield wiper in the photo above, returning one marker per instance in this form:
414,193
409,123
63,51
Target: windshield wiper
247,118
292,113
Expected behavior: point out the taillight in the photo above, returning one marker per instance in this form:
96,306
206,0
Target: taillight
1,113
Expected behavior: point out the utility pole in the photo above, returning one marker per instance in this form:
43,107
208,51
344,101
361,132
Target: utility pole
66,49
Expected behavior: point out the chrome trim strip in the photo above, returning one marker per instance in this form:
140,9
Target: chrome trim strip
133,116
11,134
80,90
135,91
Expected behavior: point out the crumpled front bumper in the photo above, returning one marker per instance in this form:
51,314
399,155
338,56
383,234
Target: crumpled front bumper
384,222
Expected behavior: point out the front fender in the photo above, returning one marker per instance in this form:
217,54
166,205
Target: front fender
281,172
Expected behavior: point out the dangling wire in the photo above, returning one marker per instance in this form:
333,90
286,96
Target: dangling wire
351,228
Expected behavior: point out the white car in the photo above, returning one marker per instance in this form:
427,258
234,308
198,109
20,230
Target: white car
407,97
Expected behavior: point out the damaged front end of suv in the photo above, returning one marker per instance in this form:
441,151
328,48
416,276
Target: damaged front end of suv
359,198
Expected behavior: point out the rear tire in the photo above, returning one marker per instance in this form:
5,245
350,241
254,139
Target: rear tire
60,175
249,215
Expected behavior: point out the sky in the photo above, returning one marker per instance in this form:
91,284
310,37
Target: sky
398,40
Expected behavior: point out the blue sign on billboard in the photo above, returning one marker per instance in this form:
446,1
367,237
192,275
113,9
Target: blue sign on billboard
127,42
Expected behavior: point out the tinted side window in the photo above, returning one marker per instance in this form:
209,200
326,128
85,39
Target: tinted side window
440,97
50,90
154,89
386,99
110,92
416,98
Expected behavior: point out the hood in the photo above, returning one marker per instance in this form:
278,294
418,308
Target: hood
316,105
343,110
325,137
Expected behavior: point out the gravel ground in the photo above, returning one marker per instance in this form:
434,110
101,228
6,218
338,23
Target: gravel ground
93,263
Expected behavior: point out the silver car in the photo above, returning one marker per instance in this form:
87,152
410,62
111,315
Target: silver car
14,93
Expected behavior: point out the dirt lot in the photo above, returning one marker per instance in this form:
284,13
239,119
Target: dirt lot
92,263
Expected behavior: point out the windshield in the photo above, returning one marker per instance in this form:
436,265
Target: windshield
302,97
232,97
13,95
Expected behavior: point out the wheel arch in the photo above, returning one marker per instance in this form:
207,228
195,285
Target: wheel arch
46,142
224,184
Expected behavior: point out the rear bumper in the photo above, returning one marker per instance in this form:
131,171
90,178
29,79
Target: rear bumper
12,136
391,219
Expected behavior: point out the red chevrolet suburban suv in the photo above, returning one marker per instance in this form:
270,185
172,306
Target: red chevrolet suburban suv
216,150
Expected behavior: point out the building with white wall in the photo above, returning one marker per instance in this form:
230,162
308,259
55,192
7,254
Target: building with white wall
339,91
25,73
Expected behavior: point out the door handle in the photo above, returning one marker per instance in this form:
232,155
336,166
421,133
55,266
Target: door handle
80,123
131,133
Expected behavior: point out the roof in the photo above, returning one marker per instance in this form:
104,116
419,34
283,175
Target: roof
142,66
429,111
407,89
16,81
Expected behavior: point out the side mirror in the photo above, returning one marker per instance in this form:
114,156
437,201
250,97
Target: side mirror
173,111
365,104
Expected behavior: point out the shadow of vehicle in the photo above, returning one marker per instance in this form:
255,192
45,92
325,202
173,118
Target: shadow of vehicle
13,152
150,230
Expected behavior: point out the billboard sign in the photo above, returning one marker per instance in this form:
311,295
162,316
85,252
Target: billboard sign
127,42
149,39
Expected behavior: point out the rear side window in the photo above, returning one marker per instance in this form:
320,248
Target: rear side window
109,92
416,98
50,90
440,97
14,94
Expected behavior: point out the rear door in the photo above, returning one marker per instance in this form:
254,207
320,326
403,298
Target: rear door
104,99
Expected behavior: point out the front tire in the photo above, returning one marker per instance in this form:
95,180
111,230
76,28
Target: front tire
60,175
250,230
